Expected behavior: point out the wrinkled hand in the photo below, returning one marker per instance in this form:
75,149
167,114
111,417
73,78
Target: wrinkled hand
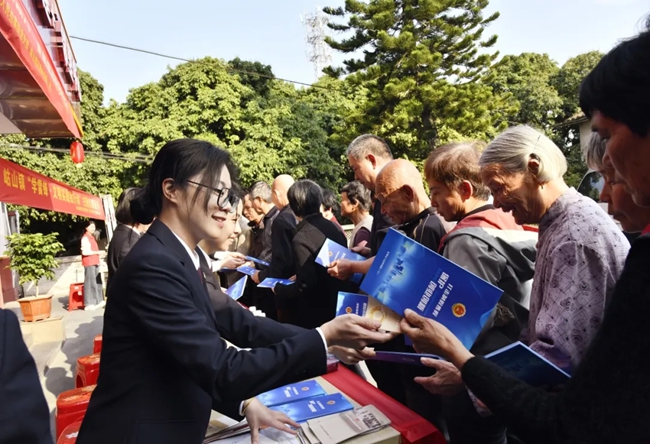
293,278
355,332
429,336
260,417
341,269
256,277
351,356
446,381
362,249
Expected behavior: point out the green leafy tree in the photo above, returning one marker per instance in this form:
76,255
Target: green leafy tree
525,80
421,64
32,256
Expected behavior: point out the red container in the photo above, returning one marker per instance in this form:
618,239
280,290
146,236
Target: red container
87,370
97,344
71,407
76,296
69,435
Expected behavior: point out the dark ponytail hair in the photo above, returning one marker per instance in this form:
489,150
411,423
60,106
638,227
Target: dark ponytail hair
123,210
180,160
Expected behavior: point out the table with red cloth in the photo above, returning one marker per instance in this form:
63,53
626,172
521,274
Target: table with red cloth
413,428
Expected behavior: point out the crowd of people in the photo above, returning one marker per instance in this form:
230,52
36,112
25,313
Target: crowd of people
573,289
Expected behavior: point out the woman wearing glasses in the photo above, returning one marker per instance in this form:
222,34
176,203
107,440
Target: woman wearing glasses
164,365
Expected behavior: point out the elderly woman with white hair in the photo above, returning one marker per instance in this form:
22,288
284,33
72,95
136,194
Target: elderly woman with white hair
580,252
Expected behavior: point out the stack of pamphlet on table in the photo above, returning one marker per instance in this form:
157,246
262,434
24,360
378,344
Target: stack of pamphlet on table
334,429
303,401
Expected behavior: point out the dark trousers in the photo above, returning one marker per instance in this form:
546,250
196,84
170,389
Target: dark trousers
93,291
466,426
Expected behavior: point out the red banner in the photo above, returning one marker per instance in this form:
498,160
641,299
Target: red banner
22,186
21,33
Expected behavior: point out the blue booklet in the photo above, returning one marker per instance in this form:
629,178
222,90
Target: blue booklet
331,251
402,357
292,393
257,261
301,411
529,366
406,274
367,307
236,290
247,270
272,282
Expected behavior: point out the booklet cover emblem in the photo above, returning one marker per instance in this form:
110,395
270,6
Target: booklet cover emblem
406,274
291,393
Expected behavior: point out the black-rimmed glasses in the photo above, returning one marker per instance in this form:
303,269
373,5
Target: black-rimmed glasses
224,195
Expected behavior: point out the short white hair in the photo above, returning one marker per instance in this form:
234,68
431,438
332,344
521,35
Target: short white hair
516,146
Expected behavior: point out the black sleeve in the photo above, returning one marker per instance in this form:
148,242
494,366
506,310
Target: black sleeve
24,414
306,274
171,322
281,250
606,400
242,328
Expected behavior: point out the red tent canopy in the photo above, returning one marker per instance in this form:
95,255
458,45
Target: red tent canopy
22,186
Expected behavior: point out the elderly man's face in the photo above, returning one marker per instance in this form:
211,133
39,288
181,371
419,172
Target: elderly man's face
397,203
448,202
249,212
364,171
628,154
516,193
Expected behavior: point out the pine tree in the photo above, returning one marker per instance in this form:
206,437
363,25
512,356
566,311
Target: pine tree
421,61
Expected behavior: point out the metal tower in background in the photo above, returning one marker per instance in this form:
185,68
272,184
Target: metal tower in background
319,53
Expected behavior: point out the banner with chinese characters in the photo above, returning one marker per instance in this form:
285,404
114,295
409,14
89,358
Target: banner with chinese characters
22,186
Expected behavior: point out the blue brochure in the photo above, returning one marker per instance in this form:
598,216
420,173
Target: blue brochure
367,307
257,261
247,270
402,358
291,393
301,411
525,364
272,282
331,251
406,274
236,290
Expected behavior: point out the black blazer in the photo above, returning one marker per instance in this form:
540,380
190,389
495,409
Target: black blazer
124,238
282,231
164,365
24,415
311,300
238,325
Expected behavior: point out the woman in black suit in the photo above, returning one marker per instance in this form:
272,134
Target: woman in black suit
164,365
311,300
126,234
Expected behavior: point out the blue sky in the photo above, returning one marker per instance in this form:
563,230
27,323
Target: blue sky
270,31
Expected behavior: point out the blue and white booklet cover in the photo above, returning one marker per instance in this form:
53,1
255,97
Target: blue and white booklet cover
247,270
301,411
236,290
257,261
405,274
291,393
272,282
331,251
529,366
402,357
367,307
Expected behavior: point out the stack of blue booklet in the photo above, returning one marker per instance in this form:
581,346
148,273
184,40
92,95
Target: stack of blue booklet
304,401
405,274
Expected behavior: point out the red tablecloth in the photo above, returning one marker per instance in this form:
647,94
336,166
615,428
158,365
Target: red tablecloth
413,428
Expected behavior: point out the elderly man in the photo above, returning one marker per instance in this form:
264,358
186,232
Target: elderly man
282,264
262,202
367,155
403,199
489,243
256,225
